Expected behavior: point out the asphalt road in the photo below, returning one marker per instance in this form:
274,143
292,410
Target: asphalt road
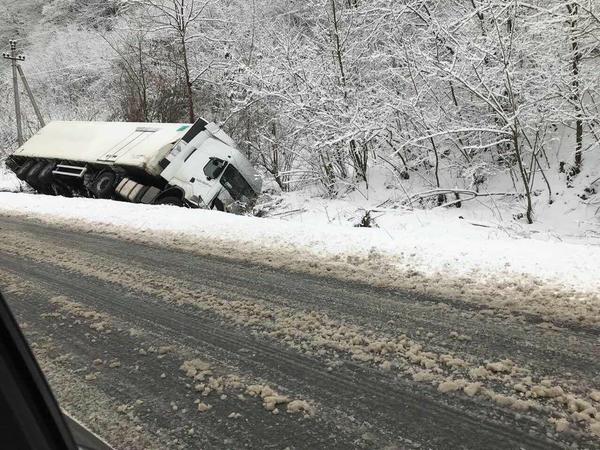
113,321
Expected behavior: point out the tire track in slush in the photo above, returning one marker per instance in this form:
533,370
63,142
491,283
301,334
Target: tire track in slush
426,416
367,394
85,345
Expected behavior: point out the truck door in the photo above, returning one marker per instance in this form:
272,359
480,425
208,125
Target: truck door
129,142
203,172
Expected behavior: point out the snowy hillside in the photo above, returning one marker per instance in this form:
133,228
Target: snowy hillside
500,99
564,211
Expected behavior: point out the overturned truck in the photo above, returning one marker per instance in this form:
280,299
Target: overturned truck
156,163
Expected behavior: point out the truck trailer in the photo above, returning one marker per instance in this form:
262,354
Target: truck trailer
179,164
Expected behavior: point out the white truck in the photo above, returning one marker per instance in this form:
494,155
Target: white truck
160,163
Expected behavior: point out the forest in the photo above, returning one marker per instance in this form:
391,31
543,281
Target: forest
330,93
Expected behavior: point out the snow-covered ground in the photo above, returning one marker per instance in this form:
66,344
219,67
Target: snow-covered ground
485,239
570,214
428,242
9,182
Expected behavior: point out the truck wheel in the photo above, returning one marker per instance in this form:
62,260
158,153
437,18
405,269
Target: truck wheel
61,189
88,180
45,175
33,174
169,200
104,184
22,171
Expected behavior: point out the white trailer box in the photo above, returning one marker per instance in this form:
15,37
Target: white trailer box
134,144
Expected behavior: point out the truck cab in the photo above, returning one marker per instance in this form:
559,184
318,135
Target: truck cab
209,169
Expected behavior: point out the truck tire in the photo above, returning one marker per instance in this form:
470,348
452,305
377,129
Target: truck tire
45,175
33,174
59,188
88,181
169,200
104,184
23,169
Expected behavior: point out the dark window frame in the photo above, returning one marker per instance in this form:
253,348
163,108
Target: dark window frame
236,192
217,171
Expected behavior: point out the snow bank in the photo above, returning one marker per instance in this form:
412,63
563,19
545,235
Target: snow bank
419,240
9,181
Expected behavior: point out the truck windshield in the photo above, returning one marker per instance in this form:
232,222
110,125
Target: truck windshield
236,185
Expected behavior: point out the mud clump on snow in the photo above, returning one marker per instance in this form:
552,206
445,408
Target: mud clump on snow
386,366
479,373
99,321
261,390
203,407
540,391
521,405
195,368
424,376
472,389
218,384
302,406
560,425
271,399
163,350
508,401
201,370
448,386
577,404
270,402
504,366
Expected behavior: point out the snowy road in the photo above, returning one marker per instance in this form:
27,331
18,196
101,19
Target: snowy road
159,348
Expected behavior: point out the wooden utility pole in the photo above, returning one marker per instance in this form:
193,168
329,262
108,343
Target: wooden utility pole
14,58
16,69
